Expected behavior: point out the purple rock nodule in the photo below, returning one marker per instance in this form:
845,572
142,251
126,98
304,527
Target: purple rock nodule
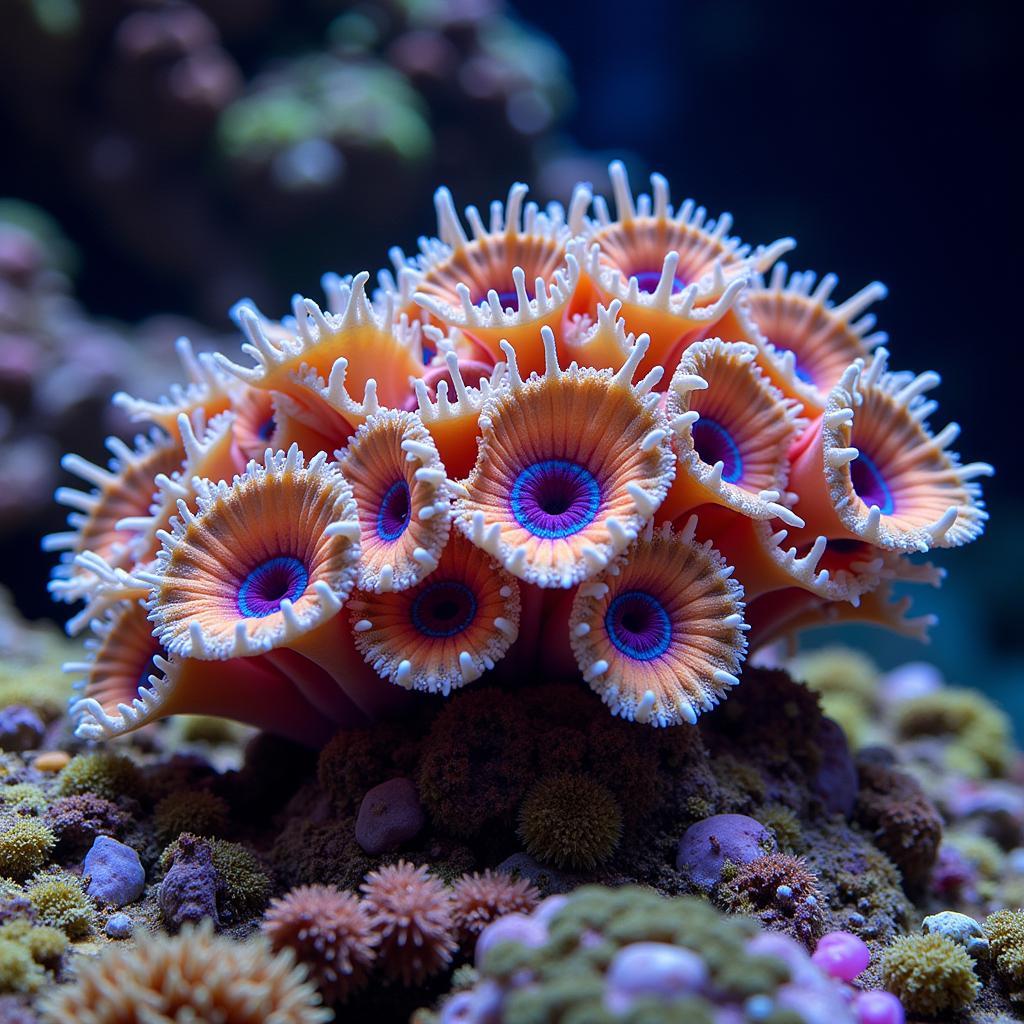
389,816
707,845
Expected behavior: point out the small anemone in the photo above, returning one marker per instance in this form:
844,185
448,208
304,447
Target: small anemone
509,280
732,430
478,899
676,272
263,559
444,632
330,932
193,975
401,495
659,635
373,344
804,340
124,489
411,913
207,393
870,468
571,465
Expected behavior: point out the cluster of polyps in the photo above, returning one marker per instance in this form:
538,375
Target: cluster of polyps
564,443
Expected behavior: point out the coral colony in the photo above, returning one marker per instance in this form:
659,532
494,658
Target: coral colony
625,448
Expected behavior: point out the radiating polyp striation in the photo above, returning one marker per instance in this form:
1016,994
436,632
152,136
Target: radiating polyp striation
618,445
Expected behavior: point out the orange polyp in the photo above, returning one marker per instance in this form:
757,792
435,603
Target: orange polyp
877,420
375,348
721,384
130,683
453,422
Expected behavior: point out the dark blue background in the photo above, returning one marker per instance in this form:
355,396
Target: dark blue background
880,136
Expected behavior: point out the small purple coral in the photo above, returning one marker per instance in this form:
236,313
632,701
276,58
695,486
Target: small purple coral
878,1008
20,728
190,889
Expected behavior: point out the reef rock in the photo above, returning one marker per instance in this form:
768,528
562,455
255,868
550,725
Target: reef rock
116,875
708,844
389,816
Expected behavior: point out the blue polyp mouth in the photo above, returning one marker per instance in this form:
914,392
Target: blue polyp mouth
802,374
270,583
508,298
444,608
648,281
266,429
870,485
395,511
555,498
638,625
715,444
149,669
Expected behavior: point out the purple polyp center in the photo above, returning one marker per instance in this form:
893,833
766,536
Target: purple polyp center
870,485
648,281
266,429
395,511
507,299
270,583
638,625
444,608
715,444
555,498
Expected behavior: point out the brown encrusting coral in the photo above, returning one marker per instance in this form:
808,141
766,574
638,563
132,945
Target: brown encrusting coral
903,821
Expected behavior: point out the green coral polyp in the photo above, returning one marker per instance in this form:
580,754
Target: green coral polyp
570,821
930,974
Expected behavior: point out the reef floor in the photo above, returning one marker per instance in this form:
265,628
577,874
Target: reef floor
822,797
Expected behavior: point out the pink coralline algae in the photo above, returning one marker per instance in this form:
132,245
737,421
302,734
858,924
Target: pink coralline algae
621,447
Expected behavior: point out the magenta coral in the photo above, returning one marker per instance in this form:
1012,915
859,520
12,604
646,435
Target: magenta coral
411,913
407,490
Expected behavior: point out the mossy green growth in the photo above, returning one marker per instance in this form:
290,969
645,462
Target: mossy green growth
929,974
984,853
785,826
25,845
838,670
198,812
45,944
981,736
247,885
24,798
1005,932
104,774
595,924
61,902
18,971
36,681
570,821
